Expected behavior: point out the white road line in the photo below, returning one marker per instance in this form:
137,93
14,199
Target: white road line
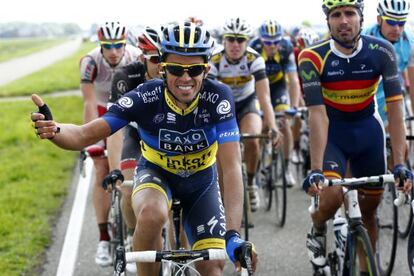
73,232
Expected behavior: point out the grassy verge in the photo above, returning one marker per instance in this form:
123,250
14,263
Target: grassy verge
34,177
63,75
13,48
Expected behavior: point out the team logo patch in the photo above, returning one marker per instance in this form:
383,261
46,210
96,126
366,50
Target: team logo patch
125,102
158,118
122,86
223,107
178,142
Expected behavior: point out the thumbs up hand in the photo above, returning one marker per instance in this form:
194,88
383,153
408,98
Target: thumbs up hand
42,120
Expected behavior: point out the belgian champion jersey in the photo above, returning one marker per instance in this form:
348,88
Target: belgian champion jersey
181,141
347,84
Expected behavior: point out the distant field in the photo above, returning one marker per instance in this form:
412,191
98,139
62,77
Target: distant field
60,76
13,48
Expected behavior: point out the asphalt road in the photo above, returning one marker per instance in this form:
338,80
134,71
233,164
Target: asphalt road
281,250
20,67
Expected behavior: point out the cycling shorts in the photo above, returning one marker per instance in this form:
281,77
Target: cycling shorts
202,209
131,149
361,142
279,97
248,105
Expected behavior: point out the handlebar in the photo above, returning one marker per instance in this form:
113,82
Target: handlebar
351,183
153,256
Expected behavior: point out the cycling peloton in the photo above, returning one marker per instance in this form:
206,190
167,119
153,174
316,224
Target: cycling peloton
181,133
96,71
243,69
391,19
281,71
340,77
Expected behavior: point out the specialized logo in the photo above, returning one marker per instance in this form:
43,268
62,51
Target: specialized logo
332,164
177,142
308,76
158,118
122,86
126,102
200,229
223,107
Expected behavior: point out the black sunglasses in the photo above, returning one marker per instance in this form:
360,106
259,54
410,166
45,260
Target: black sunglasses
178,70
239,39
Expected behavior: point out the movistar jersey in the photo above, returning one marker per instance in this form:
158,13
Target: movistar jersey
347,84
403,50
181,141
240,76
280,63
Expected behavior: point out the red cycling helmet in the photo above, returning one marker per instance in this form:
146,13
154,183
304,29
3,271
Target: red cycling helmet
148,40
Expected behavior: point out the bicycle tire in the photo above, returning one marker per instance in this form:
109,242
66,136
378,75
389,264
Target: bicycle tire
280,187
405,218
387,225
266,177
410,250
359,235
118,230
246,205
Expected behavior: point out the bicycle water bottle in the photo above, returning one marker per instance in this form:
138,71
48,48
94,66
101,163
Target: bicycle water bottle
340,227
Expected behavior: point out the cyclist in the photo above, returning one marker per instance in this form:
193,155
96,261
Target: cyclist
181,132
123,146
340,77
243,69
281,71
391,19
96,70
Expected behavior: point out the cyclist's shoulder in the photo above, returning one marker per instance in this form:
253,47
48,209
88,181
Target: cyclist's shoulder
92,56
252,55
132,51
222,90
218,52
256,44
318,50
372,30
134,67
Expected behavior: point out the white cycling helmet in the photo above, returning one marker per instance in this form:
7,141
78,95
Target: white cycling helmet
112,31
394,8
307,37
237,26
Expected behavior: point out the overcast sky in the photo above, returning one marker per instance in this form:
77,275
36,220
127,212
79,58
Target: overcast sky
150,12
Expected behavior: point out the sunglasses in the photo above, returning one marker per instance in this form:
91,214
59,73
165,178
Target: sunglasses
153,58
270,42
178,70
233,38
394,22
109,45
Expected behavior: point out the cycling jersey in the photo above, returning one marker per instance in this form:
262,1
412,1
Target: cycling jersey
95,69
276,68
279,64
347,84
403,49
180,141
127,78
240,76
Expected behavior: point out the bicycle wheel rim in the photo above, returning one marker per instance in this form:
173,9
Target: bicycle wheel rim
410,250
280,187
360,238
405,218
387,225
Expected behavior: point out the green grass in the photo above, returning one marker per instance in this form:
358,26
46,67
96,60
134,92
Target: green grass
34,179
13,48
63,75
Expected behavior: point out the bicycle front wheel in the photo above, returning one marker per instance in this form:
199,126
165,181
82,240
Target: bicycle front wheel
359,253
405,217
410,250
387,225
280,187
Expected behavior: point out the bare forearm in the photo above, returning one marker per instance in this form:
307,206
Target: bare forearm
233,197
89,111
396,128
294,89
114,146
318,136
